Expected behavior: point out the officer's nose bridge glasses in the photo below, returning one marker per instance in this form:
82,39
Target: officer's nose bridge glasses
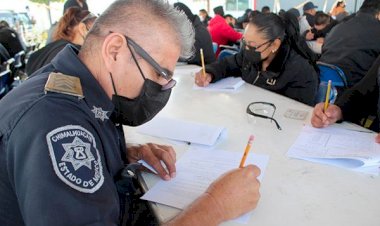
165,73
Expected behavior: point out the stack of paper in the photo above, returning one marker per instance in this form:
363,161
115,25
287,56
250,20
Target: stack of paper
227,84
355,150
196,170
180,130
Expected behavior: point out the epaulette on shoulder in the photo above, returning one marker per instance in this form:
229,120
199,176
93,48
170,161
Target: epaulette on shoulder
66,84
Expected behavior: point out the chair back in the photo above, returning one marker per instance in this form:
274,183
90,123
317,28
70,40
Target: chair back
18,59
322,92
226,52
333,73
5,76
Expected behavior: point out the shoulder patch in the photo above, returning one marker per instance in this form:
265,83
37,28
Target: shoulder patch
75,158
66,84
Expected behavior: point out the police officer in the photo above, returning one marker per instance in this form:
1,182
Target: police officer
62,149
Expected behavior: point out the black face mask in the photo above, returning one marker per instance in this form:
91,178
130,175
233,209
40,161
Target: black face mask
135,112
153,96
252,56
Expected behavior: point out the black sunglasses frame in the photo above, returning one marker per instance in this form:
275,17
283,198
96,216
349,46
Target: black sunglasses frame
245,43
139,50
166,74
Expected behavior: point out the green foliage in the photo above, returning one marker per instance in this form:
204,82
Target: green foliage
46,1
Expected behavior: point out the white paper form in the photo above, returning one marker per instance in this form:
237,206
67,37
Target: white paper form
226,84
340,147
196,170
180,130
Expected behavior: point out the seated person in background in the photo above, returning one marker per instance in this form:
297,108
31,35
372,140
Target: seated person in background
281,12
202,38
270,58
205,18
265,9
220,31
82,4
355,104
242,21
339,11
72,28
48,135
307,19
353,45
230,20
295,13
315,37
10,39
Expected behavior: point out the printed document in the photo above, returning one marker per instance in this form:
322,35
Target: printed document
196,170
355,150
181,130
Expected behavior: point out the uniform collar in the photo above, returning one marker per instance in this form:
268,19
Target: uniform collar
67,62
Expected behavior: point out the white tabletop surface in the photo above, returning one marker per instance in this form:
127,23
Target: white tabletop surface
293,192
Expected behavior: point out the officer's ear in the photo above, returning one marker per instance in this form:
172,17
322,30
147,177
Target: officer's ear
111,50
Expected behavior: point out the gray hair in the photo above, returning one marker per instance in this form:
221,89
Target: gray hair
133,15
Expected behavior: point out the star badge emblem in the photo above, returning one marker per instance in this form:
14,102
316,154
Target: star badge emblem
99,113
78,153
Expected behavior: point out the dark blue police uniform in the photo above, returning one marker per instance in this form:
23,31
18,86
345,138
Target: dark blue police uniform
60,154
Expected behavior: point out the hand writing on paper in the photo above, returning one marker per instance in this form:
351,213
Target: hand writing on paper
153,154
202,80
236,192
321,119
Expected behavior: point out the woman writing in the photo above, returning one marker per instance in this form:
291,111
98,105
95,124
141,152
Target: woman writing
272,57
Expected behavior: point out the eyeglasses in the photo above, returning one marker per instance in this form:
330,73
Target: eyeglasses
260,109
166,74
139,50
250,46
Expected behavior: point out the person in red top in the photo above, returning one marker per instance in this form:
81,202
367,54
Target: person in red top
220,31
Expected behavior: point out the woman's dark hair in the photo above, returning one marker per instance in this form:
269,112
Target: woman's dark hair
285,28
270,25
182,7
294,39
322,18
72,17
253,14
